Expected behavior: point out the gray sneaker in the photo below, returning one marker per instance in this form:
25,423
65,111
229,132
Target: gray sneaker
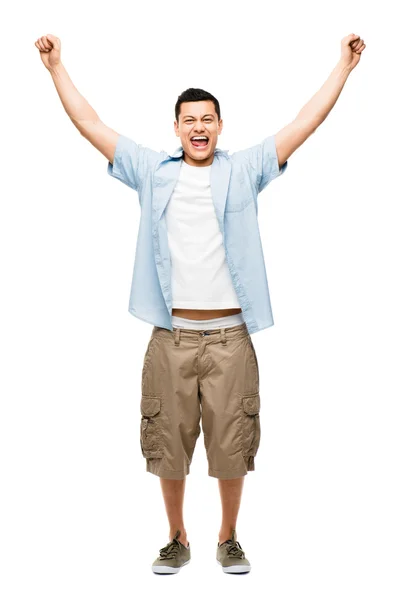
172,557
231,557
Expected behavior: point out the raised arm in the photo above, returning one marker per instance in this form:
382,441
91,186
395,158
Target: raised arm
83,116
317,109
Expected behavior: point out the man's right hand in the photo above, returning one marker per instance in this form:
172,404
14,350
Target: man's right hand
49,47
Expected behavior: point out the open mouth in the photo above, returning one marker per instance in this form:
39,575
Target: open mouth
199,141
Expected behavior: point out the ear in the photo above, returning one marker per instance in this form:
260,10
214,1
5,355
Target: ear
176,127
220,126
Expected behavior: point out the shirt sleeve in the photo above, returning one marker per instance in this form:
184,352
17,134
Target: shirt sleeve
131,162
263,160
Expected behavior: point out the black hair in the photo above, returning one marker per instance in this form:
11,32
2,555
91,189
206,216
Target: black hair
195,95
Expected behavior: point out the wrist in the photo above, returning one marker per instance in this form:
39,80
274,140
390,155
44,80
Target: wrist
56,69
344,67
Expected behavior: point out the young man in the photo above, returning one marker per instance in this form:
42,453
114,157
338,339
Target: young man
199,278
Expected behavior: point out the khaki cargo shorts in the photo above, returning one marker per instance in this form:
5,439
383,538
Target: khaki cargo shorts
194,376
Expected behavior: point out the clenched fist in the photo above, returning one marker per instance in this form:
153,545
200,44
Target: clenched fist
50,50
352,47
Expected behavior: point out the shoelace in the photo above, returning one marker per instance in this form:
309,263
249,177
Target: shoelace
170,550
235,549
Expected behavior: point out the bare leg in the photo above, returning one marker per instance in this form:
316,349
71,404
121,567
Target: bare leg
231,493
173,491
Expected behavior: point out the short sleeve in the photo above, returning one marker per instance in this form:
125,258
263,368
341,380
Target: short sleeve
262,162
131,162
267,159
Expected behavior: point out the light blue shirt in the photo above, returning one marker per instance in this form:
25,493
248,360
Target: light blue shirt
236,181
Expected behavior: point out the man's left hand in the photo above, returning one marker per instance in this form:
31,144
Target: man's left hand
352,46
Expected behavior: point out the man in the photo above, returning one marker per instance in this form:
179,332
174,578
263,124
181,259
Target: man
200,279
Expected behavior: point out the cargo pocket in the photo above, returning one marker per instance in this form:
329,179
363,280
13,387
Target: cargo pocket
250,427
151,431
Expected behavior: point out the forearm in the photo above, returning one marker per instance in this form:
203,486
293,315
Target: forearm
320,105
76,106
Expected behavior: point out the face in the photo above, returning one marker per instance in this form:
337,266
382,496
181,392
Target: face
198,119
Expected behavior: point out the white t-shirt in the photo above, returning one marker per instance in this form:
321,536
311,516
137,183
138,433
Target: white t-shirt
200,276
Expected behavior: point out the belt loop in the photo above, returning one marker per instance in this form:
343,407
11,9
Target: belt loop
223,335
177,335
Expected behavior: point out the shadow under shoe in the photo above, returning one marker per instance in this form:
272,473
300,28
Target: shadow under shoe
172,557
231,556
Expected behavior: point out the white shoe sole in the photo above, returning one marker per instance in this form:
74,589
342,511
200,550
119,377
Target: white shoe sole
235,568
160,569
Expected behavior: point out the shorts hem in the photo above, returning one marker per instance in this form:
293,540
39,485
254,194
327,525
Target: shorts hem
153,466
231,474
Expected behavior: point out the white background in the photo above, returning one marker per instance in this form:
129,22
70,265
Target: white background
80,516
